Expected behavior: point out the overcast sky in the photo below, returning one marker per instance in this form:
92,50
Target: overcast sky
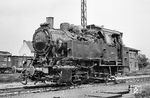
20,18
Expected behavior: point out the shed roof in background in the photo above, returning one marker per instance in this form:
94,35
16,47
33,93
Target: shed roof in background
5,53
29,44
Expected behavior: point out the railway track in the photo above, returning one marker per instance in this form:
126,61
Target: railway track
5,92
32,89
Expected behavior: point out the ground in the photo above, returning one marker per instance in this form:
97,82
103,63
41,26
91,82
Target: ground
88,91
99,90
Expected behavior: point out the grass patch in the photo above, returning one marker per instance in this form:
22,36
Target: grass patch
139,72
7,78
144,93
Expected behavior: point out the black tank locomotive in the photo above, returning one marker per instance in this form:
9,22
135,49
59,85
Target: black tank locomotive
73,53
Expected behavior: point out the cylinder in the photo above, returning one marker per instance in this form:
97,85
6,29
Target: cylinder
50,21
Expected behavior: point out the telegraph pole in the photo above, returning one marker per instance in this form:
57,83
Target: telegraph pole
83,13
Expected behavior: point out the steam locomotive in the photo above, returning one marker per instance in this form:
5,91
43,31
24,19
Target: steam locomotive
74,54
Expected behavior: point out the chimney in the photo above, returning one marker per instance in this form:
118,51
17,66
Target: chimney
50,21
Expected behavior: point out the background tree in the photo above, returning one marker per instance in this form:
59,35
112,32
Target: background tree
142,61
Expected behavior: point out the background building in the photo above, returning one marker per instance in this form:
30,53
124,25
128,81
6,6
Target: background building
26,49
133,59
5,60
